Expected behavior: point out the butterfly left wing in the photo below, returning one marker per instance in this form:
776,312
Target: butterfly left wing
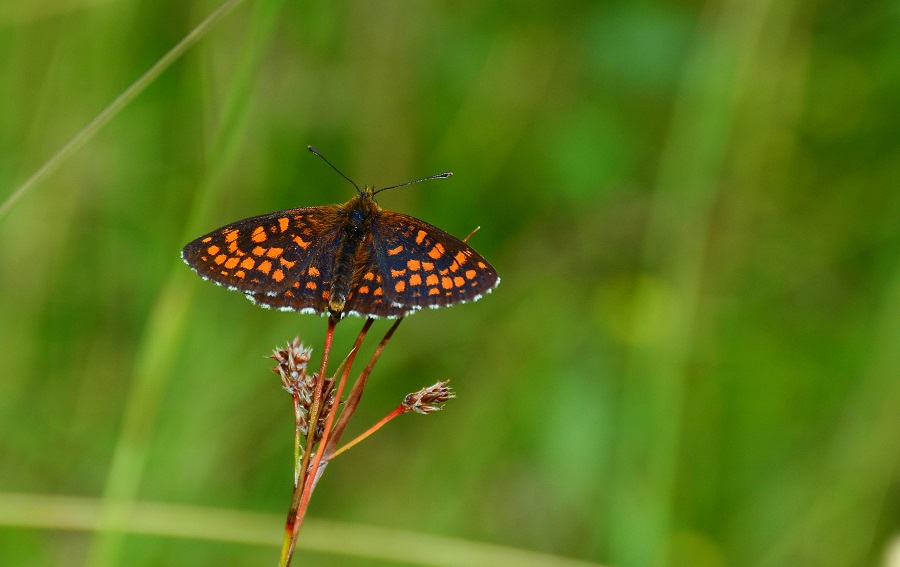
422,265
265,254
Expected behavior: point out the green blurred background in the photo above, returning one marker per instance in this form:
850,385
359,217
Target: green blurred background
693,358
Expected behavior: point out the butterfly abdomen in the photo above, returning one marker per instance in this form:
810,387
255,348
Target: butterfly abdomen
351,252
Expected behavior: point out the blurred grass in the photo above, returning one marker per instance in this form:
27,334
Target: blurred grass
695,210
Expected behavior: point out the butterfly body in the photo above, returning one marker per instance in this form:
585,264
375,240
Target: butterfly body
350,259
353,251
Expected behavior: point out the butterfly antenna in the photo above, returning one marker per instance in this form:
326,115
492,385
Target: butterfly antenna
438,176
341,173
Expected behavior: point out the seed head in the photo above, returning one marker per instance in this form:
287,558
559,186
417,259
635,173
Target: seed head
427,400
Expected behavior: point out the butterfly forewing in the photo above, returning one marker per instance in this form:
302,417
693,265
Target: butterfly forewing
263,254
424,266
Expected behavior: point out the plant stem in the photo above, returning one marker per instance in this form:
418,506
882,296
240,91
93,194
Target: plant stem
357,391
397,411
307,477
312,476
291,526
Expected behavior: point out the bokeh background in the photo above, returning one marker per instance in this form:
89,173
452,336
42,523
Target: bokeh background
693,358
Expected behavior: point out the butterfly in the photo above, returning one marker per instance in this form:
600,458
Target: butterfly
337,260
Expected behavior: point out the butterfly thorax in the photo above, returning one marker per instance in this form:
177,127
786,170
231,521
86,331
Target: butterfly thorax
358,215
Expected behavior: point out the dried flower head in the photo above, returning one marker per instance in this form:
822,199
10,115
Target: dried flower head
427,399
292,361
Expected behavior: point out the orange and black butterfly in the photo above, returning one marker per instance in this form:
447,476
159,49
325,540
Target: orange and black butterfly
350,259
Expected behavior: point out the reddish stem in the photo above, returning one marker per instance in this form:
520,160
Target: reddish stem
292,525
308,477
399,410
357,391
313,476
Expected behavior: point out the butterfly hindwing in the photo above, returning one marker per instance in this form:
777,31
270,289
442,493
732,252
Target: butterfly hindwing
309,291
368,299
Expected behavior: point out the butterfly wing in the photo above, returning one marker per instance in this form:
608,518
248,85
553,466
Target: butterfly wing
421,265
309,292
266,254
368,298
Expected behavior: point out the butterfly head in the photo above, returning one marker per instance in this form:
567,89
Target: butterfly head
368,192
360,211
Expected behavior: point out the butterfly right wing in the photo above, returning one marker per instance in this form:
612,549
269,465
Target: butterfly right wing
267,254
423,266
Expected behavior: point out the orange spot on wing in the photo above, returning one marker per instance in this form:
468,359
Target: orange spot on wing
434,291
207,239
286,263
397,273
459,281
400,286
232,247
415,279
258,250
460,257
278,275
274,252
395,251
369,276
363,289
265,266
248,263
421,236
213,250
311,285
220,258
470,274
413,265
378,291
283,223
231,235
259,234
453,267
428,266
432,279
313,271
302,243
437,251
446,283
240,274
